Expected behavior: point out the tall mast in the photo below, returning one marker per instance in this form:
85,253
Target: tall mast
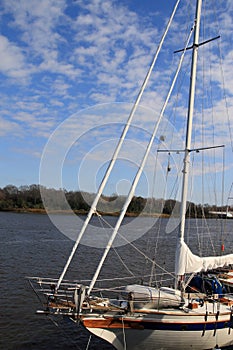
189,128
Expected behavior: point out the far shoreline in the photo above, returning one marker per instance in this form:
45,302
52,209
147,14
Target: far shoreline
77,212
84,212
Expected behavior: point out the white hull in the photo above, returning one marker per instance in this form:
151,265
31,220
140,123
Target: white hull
151,340
175,329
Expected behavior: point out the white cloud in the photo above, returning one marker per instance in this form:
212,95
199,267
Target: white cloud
8,127
36,21
12,61
74,54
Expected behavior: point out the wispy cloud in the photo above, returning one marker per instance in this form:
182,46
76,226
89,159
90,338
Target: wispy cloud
13,62
59,57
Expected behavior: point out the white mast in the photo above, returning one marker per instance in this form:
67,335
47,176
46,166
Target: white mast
189,131
115,155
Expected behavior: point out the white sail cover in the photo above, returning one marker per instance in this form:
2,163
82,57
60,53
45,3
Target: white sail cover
187,262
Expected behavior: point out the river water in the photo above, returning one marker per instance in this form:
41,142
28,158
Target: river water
30,245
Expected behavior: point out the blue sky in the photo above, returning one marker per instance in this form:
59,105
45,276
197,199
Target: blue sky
84,62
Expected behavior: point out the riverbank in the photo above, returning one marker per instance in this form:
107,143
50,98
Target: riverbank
84,212
79,212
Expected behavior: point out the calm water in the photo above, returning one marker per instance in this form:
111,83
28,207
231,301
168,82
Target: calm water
32,246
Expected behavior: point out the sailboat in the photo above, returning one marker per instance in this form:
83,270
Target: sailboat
143,316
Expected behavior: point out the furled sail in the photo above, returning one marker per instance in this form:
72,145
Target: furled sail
187,262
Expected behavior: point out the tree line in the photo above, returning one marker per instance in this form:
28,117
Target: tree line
25,198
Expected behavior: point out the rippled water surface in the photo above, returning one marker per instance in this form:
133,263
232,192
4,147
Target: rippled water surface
31,246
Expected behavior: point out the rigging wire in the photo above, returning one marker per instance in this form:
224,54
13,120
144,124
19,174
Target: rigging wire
227,112
172,119
169,156
138,175
223,79
149,242
89,341
159,221
62,331
212,166
116,152
146,256
207,88
123,331
201,239
223,191
138,250
102,220
214,178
